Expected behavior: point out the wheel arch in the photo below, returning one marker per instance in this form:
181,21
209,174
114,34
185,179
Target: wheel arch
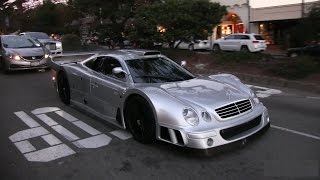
136,93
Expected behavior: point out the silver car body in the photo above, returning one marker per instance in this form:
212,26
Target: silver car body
20,58
54,46
209,96
192,45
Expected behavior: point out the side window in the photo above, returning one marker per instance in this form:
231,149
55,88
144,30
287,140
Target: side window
229,37
95,64
107,66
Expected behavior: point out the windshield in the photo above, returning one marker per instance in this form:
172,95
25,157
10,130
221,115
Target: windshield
38,35
156,70
18,42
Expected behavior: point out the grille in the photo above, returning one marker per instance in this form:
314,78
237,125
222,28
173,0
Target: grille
229,133
32,57
234,109
51,46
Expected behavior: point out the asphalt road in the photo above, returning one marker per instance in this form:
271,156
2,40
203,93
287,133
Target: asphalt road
290,149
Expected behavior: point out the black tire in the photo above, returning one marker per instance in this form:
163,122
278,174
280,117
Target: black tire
63,88
140,120
4,68
216,48
191,47
244,49
293,54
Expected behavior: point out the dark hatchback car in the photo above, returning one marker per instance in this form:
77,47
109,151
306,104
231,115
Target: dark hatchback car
22,52
311,50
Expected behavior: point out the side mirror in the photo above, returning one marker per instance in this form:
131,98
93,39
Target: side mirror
183,63
118,70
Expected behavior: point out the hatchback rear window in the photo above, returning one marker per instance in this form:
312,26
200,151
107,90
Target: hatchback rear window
258,37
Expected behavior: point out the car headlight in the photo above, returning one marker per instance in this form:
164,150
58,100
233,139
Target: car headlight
15,57
190,116
206,116
254,97
46,55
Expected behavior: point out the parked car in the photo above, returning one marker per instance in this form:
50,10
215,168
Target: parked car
22,52
191,44
311,50
240,42
156,99
54,46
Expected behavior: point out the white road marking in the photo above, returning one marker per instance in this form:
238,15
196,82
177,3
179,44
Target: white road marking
51,139
121,134
25,146
46,119
92,131
66,116
28,133
263,92
44,110
27,119
57,149
312,97
296,132
65,133
93,142
50,153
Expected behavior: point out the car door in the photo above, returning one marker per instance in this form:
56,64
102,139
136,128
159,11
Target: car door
79,79
107,88
226,43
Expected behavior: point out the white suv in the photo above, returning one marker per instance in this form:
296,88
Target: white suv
241,42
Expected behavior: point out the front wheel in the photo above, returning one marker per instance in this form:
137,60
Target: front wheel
191,47
140,120
63,88
293,55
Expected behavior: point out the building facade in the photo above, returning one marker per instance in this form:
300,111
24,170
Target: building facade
272,19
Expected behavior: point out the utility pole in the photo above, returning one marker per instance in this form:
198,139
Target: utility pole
302,9
100,13
249,16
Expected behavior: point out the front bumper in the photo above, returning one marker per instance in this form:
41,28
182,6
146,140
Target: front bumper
219,136
23,65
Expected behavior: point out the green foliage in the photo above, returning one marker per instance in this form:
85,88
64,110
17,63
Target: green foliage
308,29
231,58
180,18
70,42
297,68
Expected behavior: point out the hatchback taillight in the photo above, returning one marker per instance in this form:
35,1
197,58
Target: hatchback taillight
255,41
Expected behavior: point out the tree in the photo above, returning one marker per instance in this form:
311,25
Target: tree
114,13
308,30
172,19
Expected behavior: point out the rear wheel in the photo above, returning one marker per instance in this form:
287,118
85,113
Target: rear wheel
63,88
244,49
216,48
140,120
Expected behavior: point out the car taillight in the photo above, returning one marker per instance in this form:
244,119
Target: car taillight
255,41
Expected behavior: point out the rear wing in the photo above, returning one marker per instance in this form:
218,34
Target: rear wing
57,61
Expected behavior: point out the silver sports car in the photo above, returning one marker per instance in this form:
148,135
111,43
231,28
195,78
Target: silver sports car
22,52
157,99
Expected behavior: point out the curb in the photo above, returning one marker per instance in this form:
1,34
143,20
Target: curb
272,81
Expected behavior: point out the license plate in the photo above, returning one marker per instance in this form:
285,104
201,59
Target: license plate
35,64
